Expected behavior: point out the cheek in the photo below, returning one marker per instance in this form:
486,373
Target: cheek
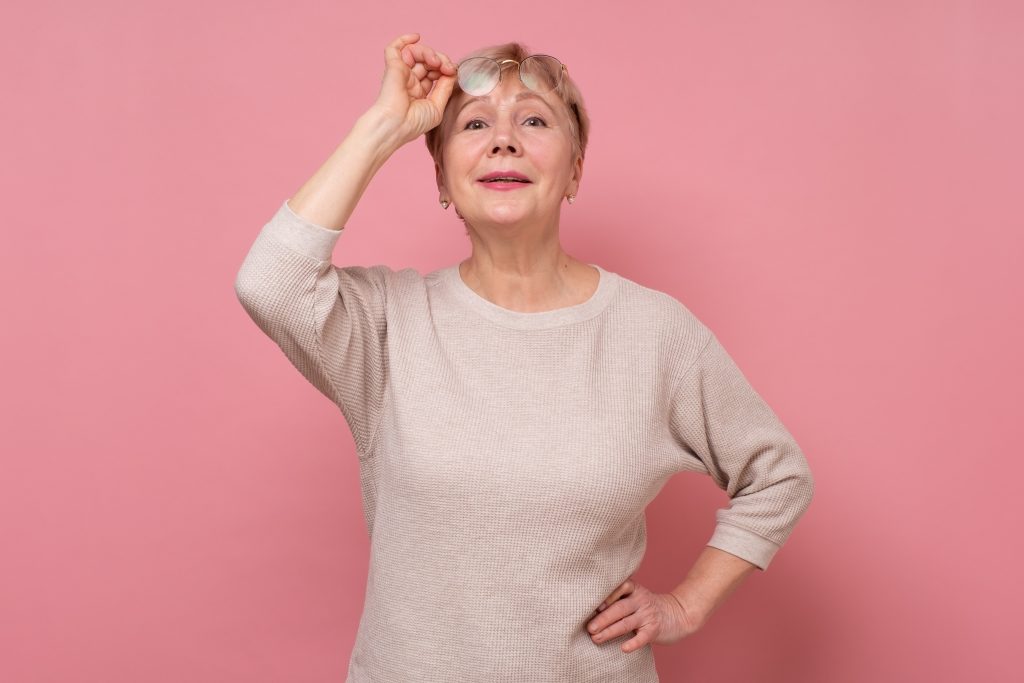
548,148
554,161
465,151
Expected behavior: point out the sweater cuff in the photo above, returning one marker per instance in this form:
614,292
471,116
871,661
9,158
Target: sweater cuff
745,544
298,234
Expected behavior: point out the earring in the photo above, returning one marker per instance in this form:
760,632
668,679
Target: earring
571,198
444,204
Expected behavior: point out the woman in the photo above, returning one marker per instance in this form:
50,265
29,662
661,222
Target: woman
514,413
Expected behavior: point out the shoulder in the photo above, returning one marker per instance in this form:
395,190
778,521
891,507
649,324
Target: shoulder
664,317
383,276
379,282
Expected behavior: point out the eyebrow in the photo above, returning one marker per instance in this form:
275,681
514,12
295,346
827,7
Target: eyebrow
526,94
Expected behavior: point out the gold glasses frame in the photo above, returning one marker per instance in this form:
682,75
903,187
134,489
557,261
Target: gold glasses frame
564,69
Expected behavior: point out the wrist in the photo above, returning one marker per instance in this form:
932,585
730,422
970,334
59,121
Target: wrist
696,609
380,131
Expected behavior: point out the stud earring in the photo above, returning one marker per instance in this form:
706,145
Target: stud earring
444,204
571,198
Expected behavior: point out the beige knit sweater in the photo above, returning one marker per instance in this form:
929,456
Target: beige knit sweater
506,458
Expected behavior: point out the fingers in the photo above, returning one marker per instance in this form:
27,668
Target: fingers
612,610
393,51
624,588
426,72
407,49
603,629
447,65
442,91
638,616
642,637
415,53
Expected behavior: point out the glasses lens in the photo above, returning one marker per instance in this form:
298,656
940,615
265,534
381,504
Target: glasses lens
541,73
478,75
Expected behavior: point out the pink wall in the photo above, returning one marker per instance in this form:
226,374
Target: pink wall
828,185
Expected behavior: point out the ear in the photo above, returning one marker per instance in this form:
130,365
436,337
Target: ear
439,175
577,175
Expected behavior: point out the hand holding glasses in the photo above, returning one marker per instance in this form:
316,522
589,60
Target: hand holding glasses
418,82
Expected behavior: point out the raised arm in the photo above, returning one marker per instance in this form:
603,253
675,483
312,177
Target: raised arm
331,321
417,84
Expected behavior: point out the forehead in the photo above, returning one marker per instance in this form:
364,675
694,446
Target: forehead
507,93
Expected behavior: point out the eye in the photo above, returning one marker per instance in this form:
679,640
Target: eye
469,124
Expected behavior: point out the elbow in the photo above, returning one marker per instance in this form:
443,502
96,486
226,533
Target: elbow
254,299
798,481
805,486
242,291
800,476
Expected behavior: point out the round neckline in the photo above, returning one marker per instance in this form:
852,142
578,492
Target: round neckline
536,320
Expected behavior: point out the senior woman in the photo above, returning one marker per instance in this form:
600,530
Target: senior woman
514,413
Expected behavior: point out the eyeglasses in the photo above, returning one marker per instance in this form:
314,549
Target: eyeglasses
480,75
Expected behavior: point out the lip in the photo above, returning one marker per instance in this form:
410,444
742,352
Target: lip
504,187
504,174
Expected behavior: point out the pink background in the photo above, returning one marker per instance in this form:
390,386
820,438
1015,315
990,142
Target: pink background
828,185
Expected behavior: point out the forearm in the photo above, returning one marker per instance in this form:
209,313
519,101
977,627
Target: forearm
330,196
713,577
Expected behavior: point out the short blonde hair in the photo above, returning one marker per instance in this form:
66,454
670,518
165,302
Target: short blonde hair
568,93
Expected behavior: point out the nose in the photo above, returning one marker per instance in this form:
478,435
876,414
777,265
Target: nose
504,138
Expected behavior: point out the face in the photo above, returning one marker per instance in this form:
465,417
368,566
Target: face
510,129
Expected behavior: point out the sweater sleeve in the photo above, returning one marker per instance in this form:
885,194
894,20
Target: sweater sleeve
328,320
718,418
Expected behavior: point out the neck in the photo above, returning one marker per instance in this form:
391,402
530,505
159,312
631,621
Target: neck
527,277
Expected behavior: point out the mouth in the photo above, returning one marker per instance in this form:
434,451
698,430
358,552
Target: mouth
505,178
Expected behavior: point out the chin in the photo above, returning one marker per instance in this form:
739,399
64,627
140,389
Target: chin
506,212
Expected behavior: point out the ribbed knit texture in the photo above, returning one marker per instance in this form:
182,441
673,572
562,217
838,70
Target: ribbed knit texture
506,458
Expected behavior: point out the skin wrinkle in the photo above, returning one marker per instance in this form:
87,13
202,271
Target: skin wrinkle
527,95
